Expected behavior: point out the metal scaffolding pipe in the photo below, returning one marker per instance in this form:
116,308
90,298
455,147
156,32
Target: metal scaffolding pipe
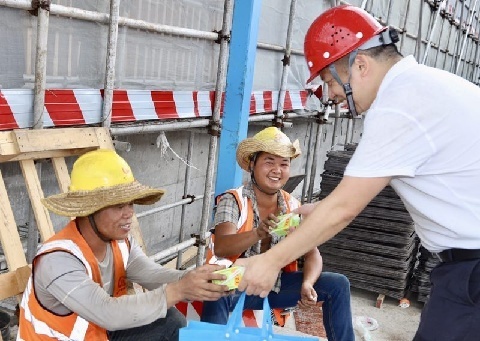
456,60
40,67
110,63
313,171
212,152
172,250
472,14
278,48
76,13
307,165
169,206
43,16
286,65
186,190
198,123
432,31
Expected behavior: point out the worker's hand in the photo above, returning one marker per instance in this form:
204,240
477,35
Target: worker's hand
260,275
308,296
306,209
196,284
267,224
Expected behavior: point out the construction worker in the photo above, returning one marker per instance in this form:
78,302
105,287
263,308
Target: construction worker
243,220
78,287
421,137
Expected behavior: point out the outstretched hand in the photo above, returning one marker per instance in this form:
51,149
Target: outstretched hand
197,285
259,277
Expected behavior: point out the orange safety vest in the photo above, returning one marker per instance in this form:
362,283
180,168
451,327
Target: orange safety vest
245,223
38,323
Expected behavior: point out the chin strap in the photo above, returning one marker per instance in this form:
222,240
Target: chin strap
254,182
95,229
346,86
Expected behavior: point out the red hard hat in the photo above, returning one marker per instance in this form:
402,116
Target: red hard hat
335,33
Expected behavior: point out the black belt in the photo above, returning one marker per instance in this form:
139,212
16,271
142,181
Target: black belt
458,255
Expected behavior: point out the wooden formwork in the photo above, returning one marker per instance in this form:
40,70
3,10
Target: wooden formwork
25,147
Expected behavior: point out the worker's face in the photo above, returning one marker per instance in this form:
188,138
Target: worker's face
271,171
114,222
336,93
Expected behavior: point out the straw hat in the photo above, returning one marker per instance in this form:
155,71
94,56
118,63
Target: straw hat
270,140
99,179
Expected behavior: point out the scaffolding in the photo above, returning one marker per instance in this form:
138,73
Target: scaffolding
449,28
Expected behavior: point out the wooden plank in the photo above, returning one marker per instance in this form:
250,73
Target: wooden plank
104,138
12,246
22,275
66,138
61,172
137,233
43,155
9,285
42,216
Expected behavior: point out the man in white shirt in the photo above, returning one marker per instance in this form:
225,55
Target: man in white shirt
421,137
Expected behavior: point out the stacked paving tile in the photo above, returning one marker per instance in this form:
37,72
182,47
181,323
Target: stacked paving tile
421,283
378,250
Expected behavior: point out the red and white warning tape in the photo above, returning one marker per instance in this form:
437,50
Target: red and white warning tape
67,107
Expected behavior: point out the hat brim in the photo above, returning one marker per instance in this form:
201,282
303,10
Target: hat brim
84,203
250,146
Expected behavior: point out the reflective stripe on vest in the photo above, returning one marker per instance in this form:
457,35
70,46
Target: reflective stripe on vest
35,319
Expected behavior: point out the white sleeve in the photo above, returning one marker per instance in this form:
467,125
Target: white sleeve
393,144
61,281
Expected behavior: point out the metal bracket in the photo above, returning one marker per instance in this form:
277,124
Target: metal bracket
198,241
214,128
286,60
189,196
221,36
36,4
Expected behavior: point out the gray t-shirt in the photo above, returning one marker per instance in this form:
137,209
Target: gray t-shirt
62,285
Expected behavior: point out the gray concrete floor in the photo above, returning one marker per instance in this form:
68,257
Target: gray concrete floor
394,323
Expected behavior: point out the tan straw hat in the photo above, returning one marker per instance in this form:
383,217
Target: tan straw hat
99,179
270,140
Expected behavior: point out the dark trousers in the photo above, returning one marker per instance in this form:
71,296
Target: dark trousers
453,309
163,329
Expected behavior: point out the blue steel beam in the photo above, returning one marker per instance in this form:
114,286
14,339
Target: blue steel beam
241,62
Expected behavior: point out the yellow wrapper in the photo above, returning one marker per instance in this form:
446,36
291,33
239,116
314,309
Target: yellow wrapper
234,275
287,221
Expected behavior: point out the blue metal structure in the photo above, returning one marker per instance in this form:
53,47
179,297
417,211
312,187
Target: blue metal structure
241,63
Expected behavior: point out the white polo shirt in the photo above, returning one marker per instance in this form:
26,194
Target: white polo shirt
424,130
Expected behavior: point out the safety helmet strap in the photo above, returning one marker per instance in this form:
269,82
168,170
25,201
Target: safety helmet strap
346,86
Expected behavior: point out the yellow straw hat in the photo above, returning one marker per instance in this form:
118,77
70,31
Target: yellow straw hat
270,140
99,179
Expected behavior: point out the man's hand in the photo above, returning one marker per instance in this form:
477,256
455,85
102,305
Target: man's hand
196,285
266,225
260,275
308,296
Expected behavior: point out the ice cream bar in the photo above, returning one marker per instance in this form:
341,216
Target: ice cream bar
287,221
234,275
